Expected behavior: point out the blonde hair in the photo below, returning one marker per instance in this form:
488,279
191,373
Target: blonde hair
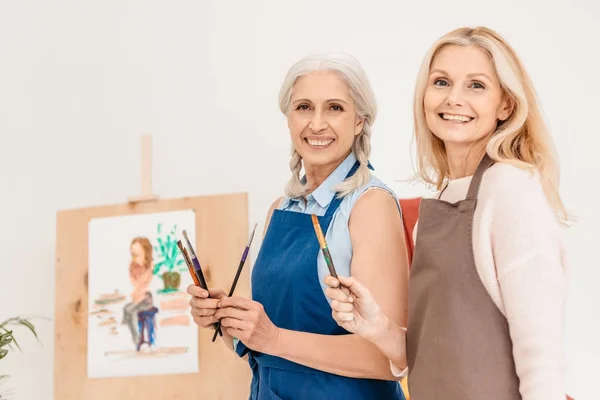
351,72
523,140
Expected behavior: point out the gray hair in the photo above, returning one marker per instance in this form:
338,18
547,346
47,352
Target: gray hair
352,73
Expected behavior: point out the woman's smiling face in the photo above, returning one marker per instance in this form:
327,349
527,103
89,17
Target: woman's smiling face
464,100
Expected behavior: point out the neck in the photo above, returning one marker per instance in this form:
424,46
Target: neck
463,161
316,174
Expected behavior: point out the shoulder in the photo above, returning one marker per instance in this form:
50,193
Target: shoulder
508,175
517,220
514,202
375,203
278,202
373,194
373,188
272,208
506,185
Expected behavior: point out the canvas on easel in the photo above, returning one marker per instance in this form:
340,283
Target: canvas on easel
139,320
123,328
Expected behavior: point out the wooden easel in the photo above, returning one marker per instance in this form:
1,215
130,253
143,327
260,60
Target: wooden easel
146,173
221,223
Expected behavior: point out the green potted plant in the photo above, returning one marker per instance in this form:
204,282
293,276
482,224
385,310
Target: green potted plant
169,259
7,340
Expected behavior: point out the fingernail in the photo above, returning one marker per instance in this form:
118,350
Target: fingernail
204,294
219,305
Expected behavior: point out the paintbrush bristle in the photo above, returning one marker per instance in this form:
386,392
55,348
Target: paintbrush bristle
252,234
318,231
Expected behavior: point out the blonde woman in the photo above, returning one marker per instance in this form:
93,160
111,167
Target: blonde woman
487,285
295,348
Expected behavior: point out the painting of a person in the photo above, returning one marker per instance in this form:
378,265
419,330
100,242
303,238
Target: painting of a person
140,276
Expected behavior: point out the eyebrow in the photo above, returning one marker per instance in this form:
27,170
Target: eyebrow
473,75
328,100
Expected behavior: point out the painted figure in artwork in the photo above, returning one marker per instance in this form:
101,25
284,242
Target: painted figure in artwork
138,315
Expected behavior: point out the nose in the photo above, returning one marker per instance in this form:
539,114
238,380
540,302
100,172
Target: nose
455,96
318,122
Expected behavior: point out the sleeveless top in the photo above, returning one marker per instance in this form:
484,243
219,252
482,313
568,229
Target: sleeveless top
338,234
286,282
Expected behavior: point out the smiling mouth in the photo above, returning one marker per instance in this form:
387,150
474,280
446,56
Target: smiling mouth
319,143
459,119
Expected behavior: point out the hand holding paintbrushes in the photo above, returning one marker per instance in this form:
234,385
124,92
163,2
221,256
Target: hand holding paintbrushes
195,270
239,271
356,316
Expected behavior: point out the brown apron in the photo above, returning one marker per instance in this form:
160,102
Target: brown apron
458,343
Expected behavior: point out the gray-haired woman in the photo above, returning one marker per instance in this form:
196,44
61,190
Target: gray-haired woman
295,348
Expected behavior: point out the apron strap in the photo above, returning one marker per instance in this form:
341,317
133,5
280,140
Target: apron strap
336,201
484,164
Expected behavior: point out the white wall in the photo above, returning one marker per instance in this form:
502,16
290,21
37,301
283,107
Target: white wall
80,81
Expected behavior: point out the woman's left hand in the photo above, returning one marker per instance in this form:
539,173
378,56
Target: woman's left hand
247,320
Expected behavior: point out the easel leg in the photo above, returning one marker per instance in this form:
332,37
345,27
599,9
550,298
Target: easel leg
146,173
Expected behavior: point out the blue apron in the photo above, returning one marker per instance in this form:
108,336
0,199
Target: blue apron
285,281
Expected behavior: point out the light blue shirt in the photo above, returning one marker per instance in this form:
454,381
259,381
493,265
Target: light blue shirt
338,233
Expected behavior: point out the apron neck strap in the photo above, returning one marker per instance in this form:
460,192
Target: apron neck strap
484,164
336,201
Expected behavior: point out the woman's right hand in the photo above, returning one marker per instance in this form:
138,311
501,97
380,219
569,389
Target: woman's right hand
204,307
354,308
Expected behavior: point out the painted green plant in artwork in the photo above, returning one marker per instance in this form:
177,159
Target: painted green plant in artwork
169,261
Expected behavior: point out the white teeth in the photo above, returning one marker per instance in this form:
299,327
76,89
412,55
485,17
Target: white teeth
456,118
319,142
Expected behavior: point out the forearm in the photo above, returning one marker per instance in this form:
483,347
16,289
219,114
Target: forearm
345,355
392,343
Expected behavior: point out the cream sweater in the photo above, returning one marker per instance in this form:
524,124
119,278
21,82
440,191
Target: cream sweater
521,258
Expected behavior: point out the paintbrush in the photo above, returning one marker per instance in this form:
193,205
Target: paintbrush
324,248
188,262
239,271
198,271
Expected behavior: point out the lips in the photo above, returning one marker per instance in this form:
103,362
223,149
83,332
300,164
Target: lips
456,118
319,143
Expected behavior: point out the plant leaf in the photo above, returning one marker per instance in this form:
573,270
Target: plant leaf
8,339
173,258
30,326
3,353
167,252
162,246
157,267
8,321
